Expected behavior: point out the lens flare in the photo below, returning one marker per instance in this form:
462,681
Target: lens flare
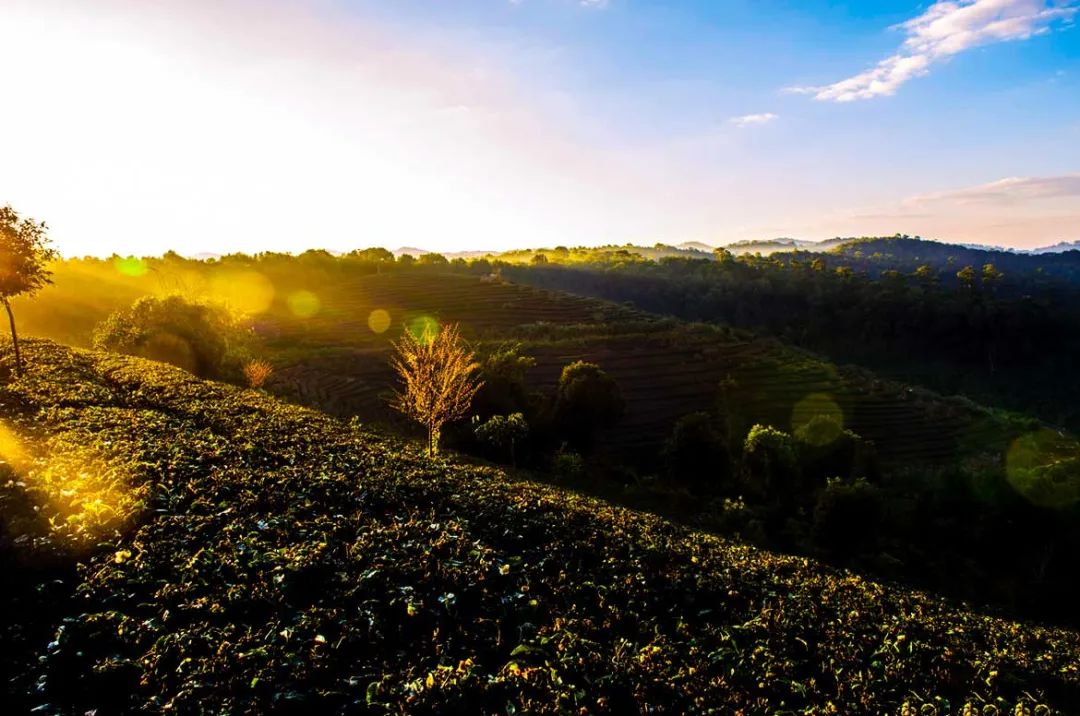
1044,467
81,495
130,266
818,419
378,321
85,497
423,328
245,291
12,451
304,304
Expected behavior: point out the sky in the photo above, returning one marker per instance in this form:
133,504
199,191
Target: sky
140,126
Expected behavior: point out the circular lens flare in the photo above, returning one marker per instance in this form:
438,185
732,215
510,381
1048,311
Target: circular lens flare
423,328
1044,467
378,321
130,266
304,304
818,419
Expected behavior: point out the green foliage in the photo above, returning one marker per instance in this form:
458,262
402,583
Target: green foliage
24,257
24,254
588,400
373,255
847,516
431,259
826,450
280,560
197,337
567,466
504,371
504,432
696,454
770,465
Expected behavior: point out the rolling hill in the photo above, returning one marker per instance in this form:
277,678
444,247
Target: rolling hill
175,545
666,368
332,357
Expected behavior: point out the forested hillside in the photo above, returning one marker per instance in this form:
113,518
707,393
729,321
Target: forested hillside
1000,328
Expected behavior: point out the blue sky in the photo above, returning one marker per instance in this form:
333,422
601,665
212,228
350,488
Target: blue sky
493,124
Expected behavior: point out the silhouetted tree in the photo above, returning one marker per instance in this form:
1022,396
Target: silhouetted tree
505,389
504,432
24,257
432,259
588,400
696,454
373,255
771,465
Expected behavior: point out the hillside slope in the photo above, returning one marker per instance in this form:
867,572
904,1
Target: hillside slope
237,554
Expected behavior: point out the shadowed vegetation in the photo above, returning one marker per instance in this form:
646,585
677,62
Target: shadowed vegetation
278,559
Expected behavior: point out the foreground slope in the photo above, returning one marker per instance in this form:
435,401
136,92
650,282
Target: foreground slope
237,554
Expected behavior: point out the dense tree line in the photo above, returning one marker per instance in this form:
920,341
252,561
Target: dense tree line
1003,339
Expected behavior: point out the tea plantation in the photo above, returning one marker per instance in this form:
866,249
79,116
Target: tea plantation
175,546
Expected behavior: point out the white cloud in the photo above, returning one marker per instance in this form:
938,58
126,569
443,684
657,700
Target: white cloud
947,28
749,120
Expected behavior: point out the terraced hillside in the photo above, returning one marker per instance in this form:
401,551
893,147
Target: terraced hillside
238,554
484,308
664,368
330,335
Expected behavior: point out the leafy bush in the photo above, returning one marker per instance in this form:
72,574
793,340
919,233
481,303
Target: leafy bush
505,388
827,450
567,466
696,455
770,465
588,400
504,432
847,516
197,337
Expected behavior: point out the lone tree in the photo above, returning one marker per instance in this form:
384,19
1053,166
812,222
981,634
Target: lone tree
437,374
588,400
504,432
24,255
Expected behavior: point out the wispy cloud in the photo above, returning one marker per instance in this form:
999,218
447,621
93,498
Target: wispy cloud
1011,190
750,120
1021,212
947,28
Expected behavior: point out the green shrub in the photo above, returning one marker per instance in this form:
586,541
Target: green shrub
567,466
847,516
505,388
504,433
770,465
588,400
194,336
696,455
826,450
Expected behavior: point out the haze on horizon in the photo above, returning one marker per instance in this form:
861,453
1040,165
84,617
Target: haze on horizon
240,125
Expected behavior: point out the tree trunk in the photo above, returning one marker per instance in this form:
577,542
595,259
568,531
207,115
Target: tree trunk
432,440
14,337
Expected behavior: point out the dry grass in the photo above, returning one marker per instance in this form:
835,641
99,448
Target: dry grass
257,372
